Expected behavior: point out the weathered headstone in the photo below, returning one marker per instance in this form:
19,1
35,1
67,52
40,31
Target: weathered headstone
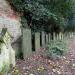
37,40
49,37
54,36
7,55
43,38
57,36
46,38
61,36
26,42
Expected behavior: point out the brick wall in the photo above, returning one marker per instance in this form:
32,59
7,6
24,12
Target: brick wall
9,19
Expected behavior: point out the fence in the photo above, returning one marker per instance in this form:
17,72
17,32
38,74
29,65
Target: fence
40,40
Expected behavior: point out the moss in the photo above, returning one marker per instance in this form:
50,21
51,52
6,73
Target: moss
5,69
4,31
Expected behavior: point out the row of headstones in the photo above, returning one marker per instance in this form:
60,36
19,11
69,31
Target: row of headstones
28,45
61,36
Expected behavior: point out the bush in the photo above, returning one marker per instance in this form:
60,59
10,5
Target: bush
56,48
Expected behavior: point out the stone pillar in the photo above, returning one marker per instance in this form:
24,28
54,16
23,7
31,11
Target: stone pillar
57,36
46,38
43,38
60,36
26,42
49,37
37,40
54,36
71,35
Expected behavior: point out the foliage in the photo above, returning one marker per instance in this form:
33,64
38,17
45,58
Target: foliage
24,22
70,26
5,69
44,14
56,48
71,23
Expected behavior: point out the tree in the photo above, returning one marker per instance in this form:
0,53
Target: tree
49,15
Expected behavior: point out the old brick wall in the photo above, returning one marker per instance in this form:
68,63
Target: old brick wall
9,19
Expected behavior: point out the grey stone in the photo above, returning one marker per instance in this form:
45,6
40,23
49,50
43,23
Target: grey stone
7,55
37,40
26,42
43,38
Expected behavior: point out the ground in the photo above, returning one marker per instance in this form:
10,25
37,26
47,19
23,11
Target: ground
39,65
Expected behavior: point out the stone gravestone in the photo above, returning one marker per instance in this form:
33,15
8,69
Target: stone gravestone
57,36
47,38
43,38
37,40
26,42
54,36
7,55
60,35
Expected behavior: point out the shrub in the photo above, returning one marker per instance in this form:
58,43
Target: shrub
56,48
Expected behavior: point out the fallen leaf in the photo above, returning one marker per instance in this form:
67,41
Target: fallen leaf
54,70
73,65
31,74
59,72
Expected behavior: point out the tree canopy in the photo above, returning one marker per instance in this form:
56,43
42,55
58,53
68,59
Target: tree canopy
48,15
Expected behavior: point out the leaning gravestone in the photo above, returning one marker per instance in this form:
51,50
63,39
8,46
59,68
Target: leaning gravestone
26,42
37,40
57,36
7,54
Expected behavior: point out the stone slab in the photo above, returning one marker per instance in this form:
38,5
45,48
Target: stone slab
26,42
37,40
